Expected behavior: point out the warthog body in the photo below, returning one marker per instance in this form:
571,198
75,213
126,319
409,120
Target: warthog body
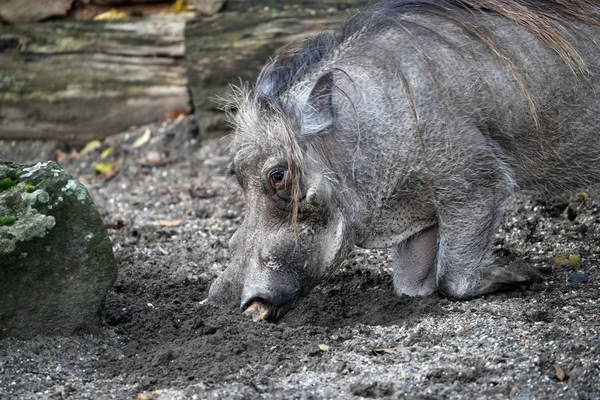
411,131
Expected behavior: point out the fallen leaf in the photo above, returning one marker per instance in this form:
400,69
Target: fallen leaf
155,158
214,227
179,6
575,235
323,347
560,373
142,140
104,167
107,152
168,223
175,114
151,396
560,260
112,14
573,261
110,174
91,146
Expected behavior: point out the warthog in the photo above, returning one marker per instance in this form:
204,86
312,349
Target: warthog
410,131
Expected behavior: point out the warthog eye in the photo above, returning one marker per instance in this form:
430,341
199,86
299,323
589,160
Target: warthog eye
279,179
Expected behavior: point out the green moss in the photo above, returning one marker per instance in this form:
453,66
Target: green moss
8,220
7,183
29,188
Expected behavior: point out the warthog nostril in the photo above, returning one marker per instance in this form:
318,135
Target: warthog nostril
257,309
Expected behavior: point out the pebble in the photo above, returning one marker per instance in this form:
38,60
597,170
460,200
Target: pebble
579,277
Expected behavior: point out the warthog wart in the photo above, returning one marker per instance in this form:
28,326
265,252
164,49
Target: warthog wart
410,131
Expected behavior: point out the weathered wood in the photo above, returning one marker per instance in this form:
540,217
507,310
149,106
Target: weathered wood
79,80
208,7
122,2
245,5
236,45
21,11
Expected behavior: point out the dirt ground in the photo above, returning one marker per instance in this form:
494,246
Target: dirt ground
170,210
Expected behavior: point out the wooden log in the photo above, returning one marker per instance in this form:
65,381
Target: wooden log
208,7
236,45
245,5
122,2
22,11
83,80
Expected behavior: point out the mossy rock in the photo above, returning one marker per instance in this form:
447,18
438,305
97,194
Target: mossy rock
56,260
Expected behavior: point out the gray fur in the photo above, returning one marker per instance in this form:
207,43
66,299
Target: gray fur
411,132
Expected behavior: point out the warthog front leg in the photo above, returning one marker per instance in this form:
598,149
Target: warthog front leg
414,264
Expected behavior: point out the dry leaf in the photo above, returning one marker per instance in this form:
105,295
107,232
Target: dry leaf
573,261
91,146
560,373
104,167
155,158
142,140
179,6
110,174
214,227
168,223
112,14
107,152
150,396
575,235
175,114
323,347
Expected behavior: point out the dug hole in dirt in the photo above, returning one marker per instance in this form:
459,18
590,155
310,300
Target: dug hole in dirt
170,209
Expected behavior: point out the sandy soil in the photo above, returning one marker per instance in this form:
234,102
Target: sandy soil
170,210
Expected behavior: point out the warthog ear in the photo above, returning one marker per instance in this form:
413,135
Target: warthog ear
272,82
318,112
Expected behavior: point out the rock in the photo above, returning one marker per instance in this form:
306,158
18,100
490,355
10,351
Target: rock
579,277
56,260
21,11
208,7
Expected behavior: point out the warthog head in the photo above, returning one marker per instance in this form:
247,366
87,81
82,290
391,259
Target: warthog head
293,229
